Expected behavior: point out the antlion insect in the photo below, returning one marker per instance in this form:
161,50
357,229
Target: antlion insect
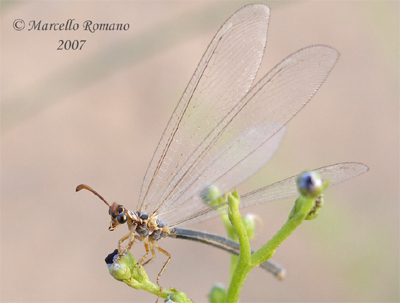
222,131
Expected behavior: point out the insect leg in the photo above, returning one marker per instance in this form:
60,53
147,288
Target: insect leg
153,254
128,247
166,263
146,247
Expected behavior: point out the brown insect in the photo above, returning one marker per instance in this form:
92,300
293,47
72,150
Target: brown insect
223,130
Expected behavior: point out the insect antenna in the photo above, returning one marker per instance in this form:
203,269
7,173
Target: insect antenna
84,186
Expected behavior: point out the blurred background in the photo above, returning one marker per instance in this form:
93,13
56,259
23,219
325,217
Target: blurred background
95,116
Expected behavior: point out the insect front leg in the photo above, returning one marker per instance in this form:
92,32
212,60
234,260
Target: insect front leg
132,238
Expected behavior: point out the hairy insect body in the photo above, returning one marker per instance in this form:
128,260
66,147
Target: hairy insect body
143,227
150,226
140,225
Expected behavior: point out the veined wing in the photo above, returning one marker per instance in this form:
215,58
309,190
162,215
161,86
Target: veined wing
223,76
287,188
337,173
225,178
268,106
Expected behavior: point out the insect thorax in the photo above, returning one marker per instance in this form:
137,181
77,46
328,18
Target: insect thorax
150,226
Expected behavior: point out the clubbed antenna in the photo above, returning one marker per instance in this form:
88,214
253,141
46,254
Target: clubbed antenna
84,186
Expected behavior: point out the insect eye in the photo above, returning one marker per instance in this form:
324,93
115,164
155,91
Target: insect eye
113,214
121,218
120,209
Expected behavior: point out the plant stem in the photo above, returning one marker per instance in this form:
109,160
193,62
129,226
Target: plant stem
303,205
247,261
243,265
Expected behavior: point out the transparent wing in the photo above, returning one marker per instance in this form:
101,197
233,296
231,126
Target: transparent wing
268,106
223,76
337,173
233,175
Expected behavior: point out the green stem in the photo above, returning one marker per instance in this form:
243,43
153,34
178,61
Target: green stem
243,266
233,236
266,252
246,261
303,206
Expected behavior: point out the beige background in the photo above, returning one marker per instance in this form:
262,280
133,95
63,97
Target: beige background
95,116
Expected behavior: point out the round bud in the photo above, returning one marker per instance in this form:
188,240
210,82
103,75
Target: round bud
309,182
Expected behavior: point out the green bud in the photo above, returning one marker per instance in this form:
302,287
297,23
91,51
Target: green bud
249,222
177,297
217,294
211,195
121,269
308,183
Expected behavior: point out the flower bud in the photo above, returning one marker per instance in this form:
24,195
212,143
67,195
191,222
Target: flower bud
217,294
210,195
308,183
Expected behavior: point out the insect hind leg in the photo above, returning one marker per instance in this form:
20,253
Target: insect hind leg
165,264
153,254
